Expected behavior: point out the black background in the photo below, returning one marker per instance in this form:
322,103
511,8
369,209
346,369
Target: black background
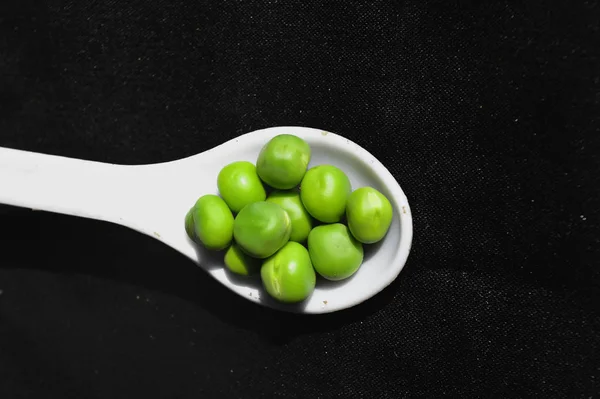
487,113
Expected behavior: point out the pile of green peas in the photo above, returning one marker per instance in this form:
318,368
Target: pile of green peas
295,230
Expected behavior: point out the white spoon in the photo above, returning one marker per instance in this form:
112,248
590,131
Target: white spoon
153,199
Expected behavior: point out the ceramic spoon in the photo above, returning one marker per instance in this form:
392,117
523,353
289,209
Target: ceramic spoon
153,199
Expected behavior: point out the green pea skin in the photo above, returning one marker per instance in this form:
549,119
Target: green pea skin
334,252
369,215
262,228
238,262
212,222
324,192
302,222
288,275
239,185
282,162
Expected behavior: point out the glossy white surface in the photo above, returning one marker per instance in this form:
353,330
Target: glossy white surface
153,199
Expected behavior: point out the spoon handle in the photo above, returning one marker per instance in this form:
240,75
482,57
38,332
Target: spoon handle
64,185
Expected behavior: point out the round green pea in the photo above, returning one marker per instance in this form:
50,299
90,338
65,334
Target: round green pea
189,224
302,222
261,228
324,192
282,162
239,185
288,275
369,215
334,252
238,262
212,222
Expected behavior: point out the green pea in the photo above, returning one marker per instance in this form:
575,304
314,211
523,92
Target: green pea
288,276
324,192
261,228
302,222
334,253
282,162
369,215
189,224
213,222
238,262
239,185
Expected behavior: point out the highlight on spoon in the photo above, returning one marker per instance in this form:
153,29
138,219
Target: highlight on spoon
343,214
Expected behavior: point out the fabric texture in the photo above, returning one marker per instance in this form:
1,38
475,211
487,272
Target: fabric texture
487,113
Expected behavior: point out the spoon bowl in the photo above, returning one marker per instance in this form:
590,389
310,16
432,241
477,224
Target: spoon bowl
153,199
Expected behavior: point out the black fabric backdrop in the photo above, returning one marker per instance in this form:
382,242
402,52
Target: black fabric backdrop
487,113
